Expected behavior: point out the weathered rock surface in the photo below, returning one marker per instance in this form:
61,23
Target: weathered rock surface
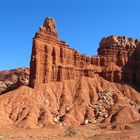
53,60
68,88
117,49
12,79
123,53
71,102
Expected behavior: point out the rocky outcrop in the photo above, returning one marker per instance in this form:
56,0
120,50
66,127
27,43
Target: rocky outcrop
117,49
123,53
53,60
12,79
69,88
131,71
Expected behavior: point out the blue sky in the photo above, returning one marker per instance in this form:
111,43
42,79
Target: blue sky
81,23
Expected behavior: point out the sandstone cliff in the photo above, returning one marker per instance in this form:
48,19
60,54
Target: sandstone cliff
68,88
54,60
123,53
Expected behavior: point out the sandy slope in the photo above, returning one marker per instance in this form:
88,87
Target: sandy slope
72,102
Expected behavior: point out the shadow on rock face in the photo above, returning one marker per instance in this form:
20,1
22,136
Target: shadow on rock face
131,70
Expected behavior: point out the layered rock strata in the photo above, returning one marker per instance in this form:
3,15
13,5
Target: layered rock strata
12,79
71,88
120,57
54,60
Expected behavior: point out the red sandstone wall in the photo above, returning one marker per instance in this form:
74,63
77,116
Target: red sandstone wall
53,60
123,53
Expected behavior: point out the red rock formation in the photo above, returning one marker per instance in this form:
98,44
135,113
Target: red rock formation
71,88
71,102
123,53
12,79
117,49
53,60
